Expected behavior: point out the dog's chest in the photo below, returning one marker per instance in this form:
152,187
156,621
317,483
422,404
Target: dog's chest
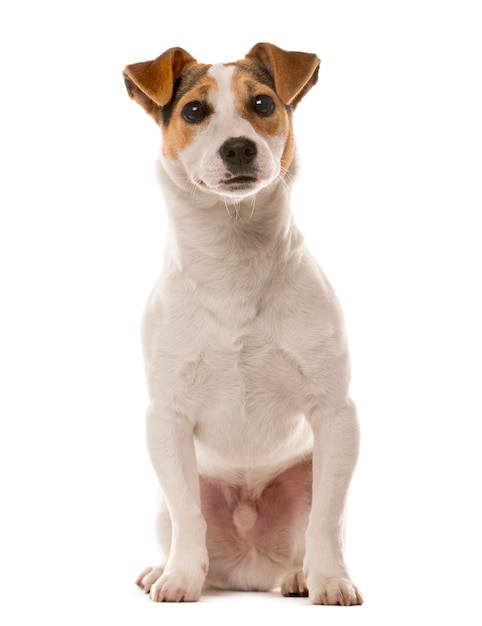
252,392
247,373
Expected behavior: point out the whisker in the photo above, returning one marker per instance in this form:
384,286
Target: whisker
237,208
253,204
282,179
228,211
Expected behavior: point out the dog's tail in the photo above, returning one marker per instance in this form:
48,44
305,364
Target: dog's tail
245,517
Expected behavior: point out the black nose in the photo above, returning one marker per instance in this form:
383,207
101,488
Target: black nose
238,153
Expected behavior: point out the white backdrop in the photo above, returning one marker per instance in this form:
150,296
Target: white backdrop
389,198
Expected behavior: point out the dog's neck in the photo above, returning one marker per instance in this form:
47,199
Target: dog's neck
235,249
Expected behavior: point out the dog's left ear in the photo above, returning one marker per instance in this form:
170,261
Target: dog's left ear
294,73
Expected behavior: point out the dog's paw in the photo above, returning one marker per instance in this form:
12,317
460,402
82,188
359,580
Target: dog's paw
177,587
339,591
148,577
294,584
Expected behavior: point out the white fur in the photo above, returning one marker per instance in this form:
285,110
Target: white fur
247,368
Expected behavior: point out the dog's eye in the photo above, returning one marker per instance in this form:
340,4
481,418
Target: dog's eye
193,112
264,105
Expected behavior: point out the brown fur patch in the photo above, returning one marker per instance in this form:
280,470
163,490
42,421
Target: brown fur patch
249,81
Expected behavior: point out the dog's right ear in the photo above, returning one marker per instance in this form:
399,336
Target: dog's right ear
151,83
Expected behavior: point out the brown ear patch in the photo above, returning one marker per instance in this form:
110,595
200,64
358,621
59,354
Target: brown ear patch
151,83
142,99
294,73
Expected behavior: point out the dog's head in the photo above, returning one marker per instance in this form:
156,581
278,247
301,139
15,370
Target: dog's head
227,128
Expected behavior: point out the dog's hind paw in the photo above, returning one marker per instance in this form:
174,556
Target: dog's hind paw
177,587
338,591
148,577
294,584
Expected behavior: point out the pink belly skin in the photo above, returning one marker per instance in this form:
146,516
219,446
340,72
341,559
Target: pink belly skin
254,540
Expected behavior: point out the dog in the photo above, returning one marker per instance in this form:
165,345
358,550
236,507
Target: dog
250,427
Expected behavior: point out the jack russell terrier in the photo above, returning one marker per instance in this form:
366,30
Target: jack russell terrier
250,427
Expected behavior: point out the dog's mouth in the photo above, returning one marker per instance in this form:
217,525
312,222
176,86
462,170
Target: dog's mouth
239,182
232,184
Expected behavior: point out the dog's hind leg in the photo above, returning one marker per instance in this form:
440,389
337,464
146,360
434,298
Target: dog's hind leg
148,577
294,584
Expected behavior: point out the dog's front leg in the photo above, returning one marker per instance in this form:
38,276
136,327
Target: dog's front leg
336,443
170,444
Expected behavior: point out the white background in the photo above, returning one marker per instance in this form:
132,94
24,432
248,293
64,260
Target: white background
389,198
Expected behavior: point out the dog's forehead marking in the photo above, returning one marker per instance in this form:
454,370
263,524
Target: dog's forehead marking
223,97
